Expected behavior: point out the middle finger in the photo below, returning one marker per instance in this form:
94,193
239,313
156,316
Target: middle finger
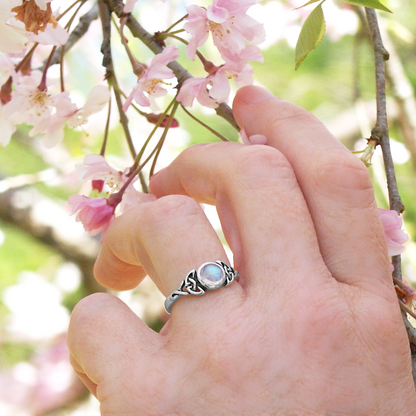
261,207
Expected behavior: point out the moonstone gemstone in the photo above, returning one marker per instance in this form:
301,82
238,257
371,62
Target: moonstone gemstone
211,275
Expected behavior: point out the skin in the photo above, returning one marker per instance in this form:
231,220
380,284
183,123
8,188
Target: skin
311,327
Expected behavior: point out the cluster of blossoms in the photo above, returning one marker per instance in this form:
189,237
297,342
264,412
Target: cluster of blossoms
27,95
235,35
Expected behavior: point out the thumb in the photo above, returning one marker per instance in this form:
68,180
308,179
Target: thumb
108,343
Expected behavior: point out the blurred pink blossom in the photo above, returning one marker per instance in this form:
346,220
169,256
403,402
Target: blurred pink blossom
49,112
43,384
129,6
153,77
395,236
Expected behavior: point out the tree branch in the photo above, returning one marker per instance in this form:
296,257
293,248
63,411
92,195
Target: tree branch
380,130
21,208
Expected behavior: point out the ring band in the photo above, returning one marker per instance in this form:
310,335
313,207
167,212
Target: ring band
209,276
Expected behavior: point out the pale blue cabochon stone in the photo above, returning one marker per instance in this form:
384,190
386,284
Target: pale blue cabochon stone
211,275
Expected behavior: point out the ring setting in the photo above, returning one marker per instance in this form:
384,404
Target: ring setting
209,276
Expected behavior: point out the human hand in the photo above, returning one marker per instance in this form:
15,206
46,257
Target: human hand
311,327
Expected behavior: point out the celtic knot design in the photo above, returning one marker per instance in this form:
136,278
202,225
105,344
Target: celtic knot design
230,273
191,285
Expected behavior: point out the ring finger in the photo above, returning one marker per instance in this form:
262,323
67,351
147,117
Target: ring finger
170,237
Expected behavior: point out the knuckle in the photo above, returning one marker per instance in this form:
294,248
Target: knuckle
260,166
344,176
169,208
86,313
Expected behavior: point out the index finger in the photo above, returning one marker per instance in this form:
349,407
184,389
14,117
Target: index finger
336,185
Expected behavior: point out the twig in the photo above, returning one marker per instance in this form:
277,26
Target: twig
380,130
105,15
79,31
223,110
216,133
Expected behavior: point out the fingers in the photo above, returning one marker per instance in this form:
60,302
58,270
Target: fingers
105,339
167,238
335,184
262,210
118,269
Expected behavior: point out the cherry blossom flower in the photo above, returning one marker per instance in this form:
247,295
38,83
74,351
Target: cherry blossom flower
96,100
196,88
395,236
51,35
48,113
12,37
95,214
215,88
153,77
96,169
229,24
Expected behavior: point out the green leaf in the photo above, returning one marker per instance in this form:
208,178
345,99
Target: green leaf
373,4
311,35
306,4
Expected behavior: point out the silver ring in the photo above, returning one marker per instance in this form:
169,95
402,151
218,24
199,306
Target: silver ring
210,276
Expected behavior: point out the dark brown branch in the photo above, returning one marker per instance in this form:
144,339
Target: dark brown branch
181,73
79,31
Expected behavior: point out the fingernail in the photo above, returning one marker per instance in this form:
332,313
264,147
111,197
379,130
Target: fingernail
254,95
